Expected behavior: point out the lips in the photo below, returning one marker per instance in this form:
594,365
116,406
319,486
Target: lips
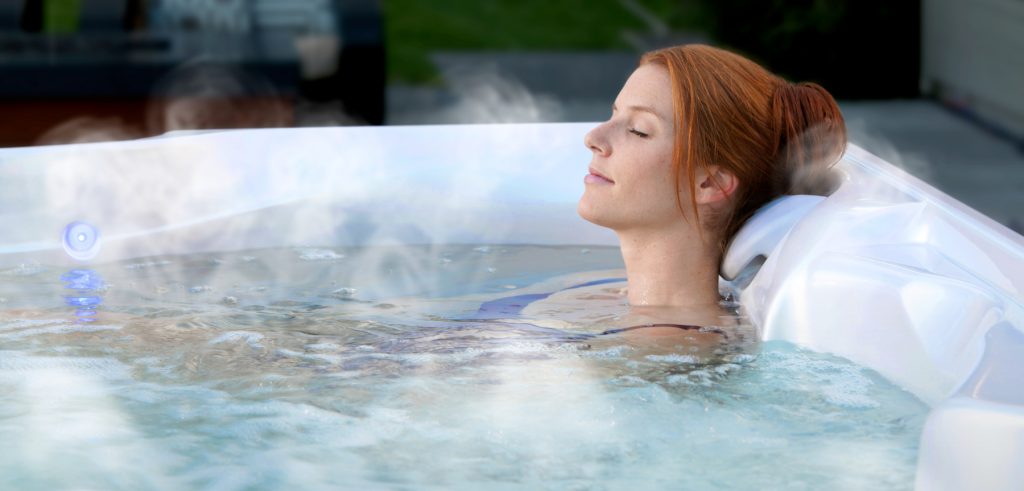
596,177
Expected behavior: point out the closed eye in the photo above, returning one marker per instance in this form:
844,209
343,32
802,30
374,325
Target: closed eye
637,132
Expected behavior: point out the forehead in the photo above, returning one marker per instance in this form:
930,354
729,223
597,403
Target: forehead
649,86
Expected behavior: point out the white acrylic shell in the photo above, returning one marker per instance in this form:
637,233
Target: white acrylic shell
887,272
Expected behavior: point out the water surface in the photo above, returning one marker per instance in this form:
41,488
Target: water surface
320,368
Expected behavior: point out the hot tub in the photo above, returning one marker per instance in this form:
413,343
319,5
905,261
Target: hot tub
888,273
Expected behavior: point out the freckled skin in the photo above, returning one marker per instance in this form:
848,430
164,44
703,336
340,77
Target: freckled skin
634,149
671,258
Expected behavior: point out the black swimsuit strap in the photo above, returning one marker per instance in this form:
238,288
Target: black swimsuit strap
688,327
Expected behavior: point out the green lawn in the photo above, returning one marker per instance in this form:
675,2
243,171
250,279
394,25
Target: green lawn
415,28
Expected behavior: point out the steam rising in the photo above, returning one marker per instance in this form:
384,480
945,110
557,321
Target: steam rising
87,129
477,94
199,95
487,97
309,188
862,134
299,188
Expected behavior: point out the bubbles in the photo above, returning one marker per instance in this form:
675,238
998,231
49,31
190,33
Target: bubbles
81,241
311,383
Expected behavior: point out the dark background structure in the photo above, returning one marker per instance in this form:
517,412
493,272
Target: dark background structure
822,40
238,64
935,86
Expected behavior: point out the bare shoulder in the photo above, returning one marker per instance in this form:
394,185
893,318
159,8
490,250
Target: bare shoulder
587,306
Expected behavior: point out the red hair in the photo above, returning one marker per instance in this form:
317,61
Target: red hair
774,136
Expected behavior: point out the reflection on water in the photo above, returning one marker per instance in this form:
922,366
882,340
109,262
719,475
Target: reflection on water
87,286
395,384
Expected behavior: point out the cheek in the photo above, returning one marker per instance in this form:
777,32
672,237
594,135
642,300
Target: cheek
652,180
644,191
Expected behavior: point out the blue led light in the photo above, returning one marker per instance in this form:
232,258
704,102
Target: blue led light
86,297
81,241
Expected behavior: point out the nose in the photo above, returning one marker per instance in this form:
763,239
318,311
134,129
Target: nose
595,141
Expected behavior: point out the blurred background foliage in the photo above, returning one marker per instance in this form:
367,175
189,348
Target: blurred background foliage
813,40
414,28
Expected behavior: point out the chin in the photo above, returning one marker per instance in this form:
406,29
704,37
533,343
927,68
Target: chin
591,213
584,210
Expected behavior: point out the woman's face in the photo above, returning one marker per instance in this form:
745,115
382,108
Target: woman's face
630,183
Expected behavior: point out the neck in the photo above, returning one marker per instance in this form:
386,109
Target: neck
669,269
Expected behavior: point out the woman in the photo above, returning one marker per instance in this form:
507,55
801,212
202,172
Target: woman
700,138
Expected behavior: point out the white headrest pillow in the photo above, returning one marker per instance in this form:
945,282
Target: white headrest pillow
763,231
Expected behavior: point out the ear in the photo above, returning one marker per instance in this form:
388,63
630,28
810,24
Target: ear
715,185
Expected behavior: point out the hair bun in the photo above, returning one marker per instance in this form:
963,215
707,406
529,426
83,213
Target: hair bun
775,137
810,138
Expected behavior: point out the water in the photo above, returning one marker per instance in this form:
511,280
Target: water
320,368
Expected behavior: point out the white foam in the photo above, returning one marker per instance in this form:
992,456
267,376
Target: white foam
841,383
613,352
311,254
14,365
146,264
61,328
740,358
323,346
673,358
251,338
678,379
24,269
23,323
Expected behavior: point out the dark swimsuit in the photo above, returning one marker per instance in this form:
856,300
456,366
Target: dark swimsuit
506,307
